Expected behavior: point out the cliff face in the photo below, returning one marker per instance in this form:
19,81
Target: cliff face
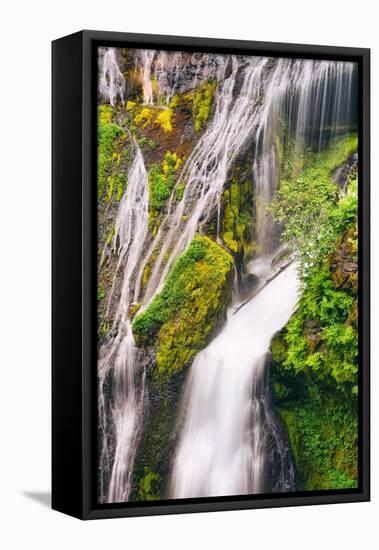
199,179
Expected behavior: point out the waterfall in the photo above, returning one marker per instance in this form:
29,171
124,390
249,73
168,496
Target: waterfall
224,445
206,169
111,79
229,433
121,416
147,60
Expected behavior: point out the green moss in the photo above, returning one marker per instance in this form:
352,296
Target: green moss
324,445
179,191
152,145
161,183
149,486
130,105
236,222
105,114
121,184
100,292
108,140
202,104
180,320
110,235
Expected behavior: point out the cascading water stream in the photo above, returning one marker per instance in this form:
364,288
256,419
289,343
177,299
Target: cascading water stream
128,389
111,79
228,428
228,424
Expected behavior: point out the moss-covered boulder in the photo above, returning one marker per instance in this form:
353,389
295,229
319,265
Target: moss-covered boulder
182,317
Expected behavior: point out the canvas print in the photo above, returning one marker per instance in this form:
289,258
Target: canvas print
227,275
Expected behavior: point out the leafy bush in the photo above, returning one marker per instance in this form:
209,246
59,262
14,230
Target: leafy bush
164,119
309,205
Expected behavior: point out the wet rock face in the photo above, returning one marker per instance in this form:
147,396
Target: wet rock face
343,174
183,71
344,263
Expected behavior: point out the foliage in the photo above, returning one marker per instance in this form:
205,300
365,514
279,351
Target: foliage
327,347
181,318
144,117
314,371
323,441
310,207
164,119
314,367
108,136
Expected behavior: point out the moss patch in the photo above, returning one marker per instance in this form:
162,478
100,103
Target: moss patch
180,320
202,104
161,183
110,137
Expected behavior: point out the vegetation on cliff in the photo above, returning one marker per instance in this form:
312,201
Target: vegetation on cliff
314,368
202,104
309,204
161,183
237,217
111,139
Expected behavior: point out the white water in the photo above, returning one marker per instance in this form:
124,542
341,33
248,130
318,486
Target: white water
111,79
228,383
127,398
222,449
147,87
206,169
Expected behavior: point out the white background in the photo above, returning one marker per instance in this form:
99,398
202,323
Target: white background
27,29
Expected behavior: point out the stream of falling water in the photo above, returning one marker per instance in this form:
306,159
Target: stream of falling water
228,427
131,229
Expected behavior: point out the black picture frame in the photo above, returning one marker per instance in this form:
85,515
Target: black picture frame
74,274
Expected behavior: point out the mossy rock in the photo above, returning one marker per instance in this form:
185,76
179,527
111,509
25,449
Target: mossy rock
181,319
